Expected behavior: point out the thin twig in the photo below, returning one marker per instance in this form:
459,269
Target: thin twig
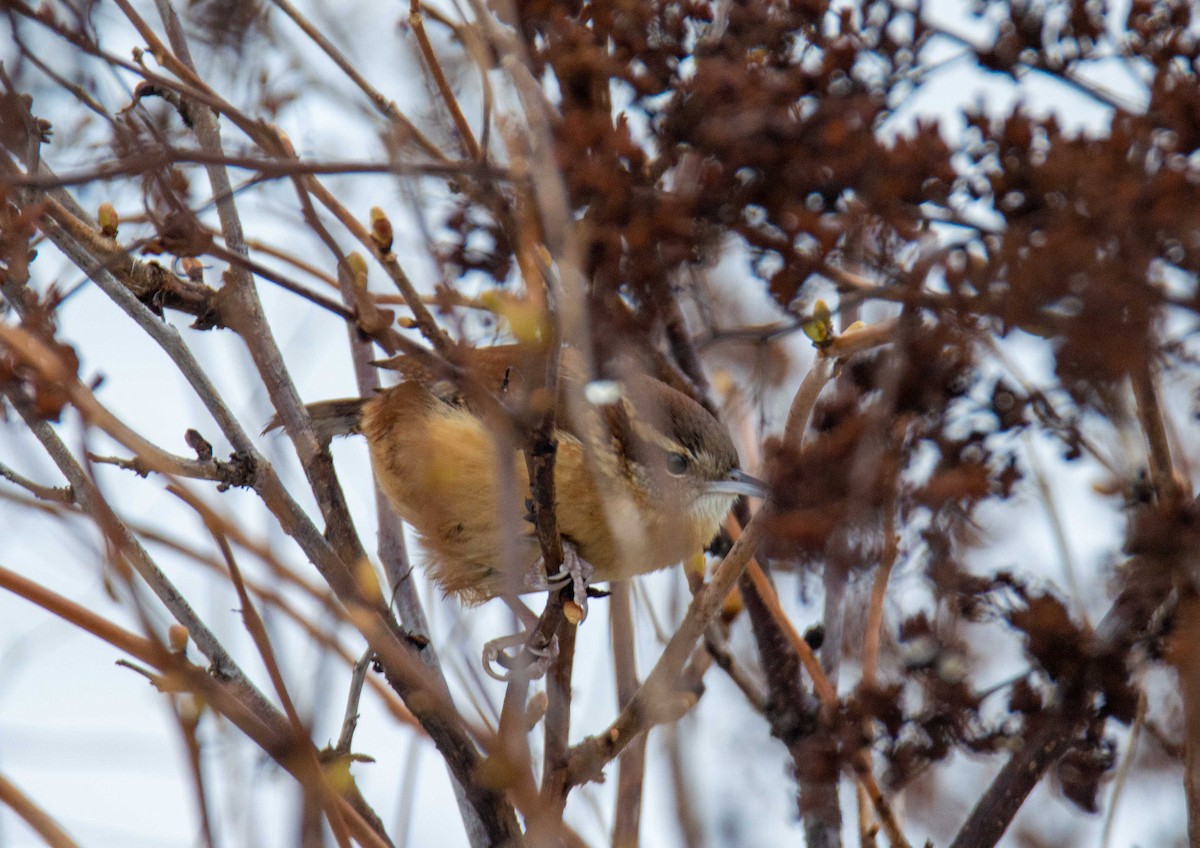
557,723
631,765
185,675
92,502
825,691
590,755
434,66
314,778
1057,529
867,828
1150,414
350,717
51,494
801,409
187,718
887,560
384,106
1147,585
38,819
718,649
1118,788
265,168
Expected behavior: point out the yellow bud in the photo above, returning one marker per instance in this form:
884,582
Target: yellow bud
381,230
854,328
109,220
573,612
337,774
526,320
358,267
496,772
820,327
732,606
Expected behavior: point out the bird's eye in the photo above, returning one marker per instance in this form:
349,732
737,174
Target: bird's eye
677,464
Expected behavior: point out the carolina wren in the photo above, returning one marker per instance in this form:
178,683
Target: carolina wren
661,474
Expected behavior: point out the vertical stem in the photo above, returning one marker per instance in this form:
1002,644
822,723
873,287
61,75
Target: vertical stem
545,826
866,821
631,765
1150,413
874,634
1184,654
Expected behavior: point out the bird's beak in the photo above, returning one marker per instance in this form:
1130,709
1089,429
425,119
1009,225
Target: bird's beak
738,482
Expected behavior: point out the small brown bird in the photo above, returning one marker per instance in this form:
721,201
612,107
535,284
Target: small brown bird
661,474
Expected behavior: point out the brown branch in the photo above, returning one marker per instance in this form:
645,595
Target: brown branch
304,620
682,347
631,765
38,819
187,718
589,756
556,757
1039,750
51,494
828,696
801,409
1147,584
862,339
265,167
100,257
1184,654
422,317
718,648
91,501
181,674
384,106
235,473
874,631
867,829
434,66
316,780
1150,414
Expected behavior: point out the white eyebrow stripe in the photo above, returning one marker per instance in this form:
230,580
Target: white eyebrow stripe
650,434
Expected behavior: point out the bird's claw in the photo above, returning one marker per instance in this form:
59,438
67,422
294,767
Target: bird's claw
576,572
532,661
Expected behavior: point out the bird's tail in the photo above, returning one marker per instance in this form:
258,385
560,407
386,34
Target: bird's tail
330,418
